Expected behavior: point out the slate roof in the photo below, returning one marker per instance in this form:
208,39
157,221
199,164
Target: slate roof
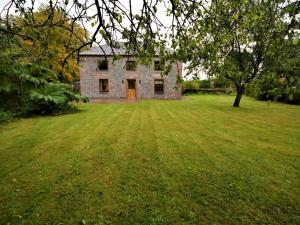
107,50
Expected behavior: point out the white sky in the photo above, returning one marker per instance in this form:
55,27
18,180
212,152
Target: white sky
136,6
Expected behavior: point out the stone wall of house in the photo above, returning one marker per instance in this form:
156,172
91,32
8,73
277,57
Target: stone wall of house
117,76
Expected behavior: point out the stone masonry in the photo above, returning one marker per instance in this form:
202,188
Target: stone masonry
117,76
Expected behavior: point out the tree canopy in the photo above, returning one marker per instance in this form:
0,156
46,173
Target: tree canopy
48,43
234,39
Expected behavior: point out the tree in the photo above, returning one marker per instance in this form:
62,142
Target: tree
233,39
48,44
29,88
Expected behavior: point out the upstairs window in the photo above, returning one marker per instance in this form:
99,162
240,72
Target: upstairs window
103,65
131,65
159,86
103,85
158,66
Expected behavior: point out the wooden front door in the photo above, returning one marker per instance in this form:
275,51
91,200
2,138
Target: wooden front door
131,90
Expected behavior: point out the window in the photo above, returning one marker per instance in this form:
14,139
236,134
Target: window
131,65
131,84
159,86
103,85
158,66
103,65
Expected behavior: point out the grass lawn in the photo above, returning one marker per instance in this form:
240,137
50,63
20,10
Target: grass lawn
195,161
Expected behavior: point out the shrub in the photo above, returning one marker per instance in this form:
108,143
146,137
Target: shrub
276,88
220,82
212,90
5,117
191,86
32,89
52,98
204,84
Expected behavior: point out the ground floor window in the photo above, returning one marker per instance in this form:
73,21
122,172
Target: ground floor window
103,85
159,86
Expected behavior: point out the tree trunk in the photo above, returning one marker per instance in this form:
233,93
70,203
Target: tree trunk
239,94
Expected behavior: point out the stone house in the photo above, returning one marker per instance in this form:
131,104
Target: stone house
101,77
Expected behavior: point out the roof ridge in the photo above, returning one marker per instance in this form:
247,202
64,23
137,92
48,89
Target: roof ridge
108,50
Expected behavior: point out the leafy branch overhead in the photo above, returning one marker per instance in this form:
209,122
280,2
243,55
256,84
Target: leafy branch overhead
108,20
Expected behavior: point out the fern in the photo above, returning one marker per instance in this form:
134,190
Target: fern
51,93
30,88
